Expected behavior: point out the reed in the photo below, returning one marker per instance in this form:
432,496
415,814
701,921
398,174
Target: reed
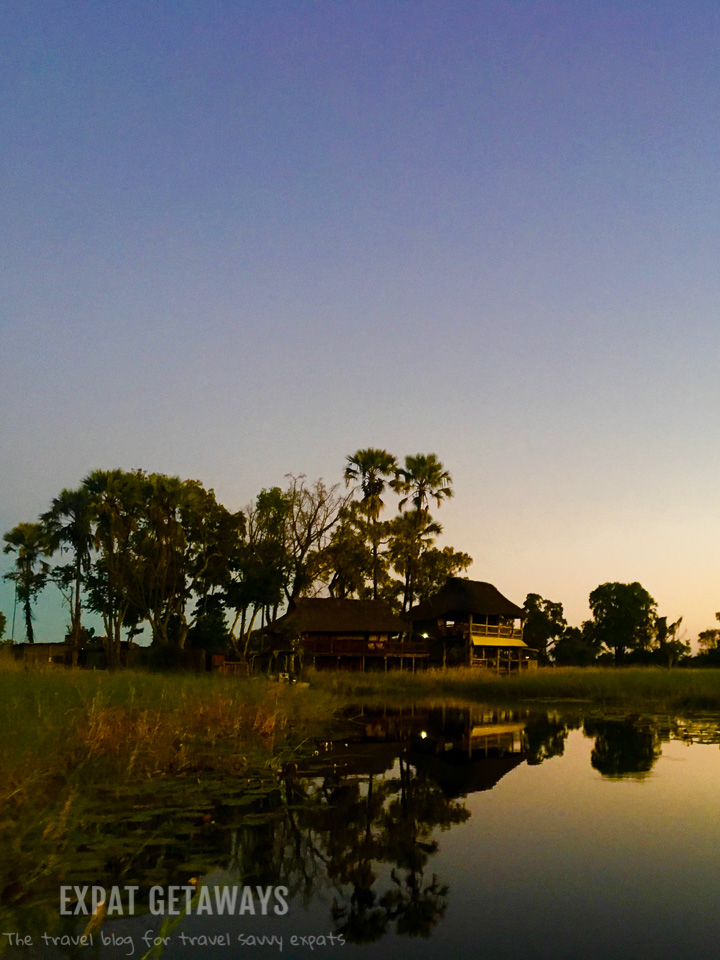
681,689
68,727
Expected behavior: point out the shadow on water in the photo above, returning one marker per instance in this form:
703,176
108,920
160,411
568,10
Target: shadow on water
354,825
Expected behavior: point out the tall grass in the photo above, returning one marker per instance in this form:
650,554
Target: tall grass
626,688
57,722
71,738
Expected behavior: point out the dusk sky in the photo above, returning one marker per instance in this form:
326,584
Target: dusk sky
241,239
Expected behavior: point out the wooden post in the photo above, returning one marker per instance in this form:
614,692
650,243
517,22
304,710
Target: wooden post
470,643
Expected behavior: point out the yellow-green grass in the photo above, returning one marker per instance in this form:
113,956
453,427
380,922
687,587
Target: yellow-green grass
72,726
682,690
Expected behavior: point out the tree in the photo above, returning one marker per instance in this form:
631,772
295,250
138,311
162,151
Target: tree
408,541
3,624
435,566
422,479
576,646
116,500
69,527
544,623
623,617
177,551
259,566
372,470
709,642
313,511
671,646
28,542
347,562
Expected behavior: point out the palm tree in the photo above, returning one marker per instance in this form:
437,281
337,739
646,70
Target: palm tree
69,526
29,544
372,470
422,479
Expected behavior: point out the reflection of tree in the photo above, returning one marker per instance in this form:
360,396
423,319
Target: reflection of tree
340,832
545,736
623,746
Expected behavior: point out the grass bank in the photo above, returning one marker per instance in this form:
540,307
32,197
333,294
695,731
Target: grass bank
78,745
628,688
61,723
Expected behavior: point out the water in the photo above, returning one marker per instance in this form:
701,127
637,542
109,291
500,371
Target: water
456,832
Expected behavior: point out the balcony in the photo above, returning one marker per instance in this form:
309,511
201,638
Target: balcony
506,632
359,647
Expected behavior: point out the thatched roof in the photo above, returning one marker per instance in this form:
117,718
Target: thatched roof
328,615
461,598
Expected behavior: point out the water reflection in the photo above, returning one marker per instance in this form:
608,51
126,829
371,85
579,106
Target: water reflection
628,746
353,832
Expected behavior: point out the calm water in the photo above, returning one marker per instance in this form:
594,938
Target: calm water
446,833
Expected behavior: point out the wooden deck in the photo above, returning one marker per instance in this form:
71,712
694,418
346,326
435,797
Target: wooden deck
356,654
339,647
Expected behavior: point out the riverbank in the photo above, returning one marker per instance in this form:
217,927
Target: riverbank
70,727
647,688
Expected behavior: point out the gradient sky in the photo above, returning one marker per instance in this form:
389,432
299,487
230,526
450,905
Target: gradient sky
241,239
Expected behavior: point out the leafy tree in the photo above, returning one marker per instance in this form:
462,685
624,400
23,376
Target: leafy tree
709,642
544,623
259,566
159,541
28,542
209,630
176,552
407,543
69,527
116,499
623,617
576,646
3,624
422,479
372,470
434,567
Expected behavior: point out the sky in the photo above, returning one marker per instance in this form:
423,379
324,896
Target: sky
246,239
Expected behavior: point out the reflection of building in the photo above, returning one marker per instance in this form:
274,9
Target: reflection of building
347,634
462,749
470,622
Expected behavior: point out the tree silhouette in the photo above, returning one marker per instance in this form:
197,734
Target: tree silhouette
28,542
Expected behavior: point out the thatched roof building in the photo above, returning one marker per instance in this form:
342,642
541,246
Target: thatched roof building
470,622
459,599
348,634
350,618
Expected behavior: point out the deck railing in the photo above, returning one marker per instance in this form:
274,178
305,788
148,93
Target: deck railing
337,647
496,630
